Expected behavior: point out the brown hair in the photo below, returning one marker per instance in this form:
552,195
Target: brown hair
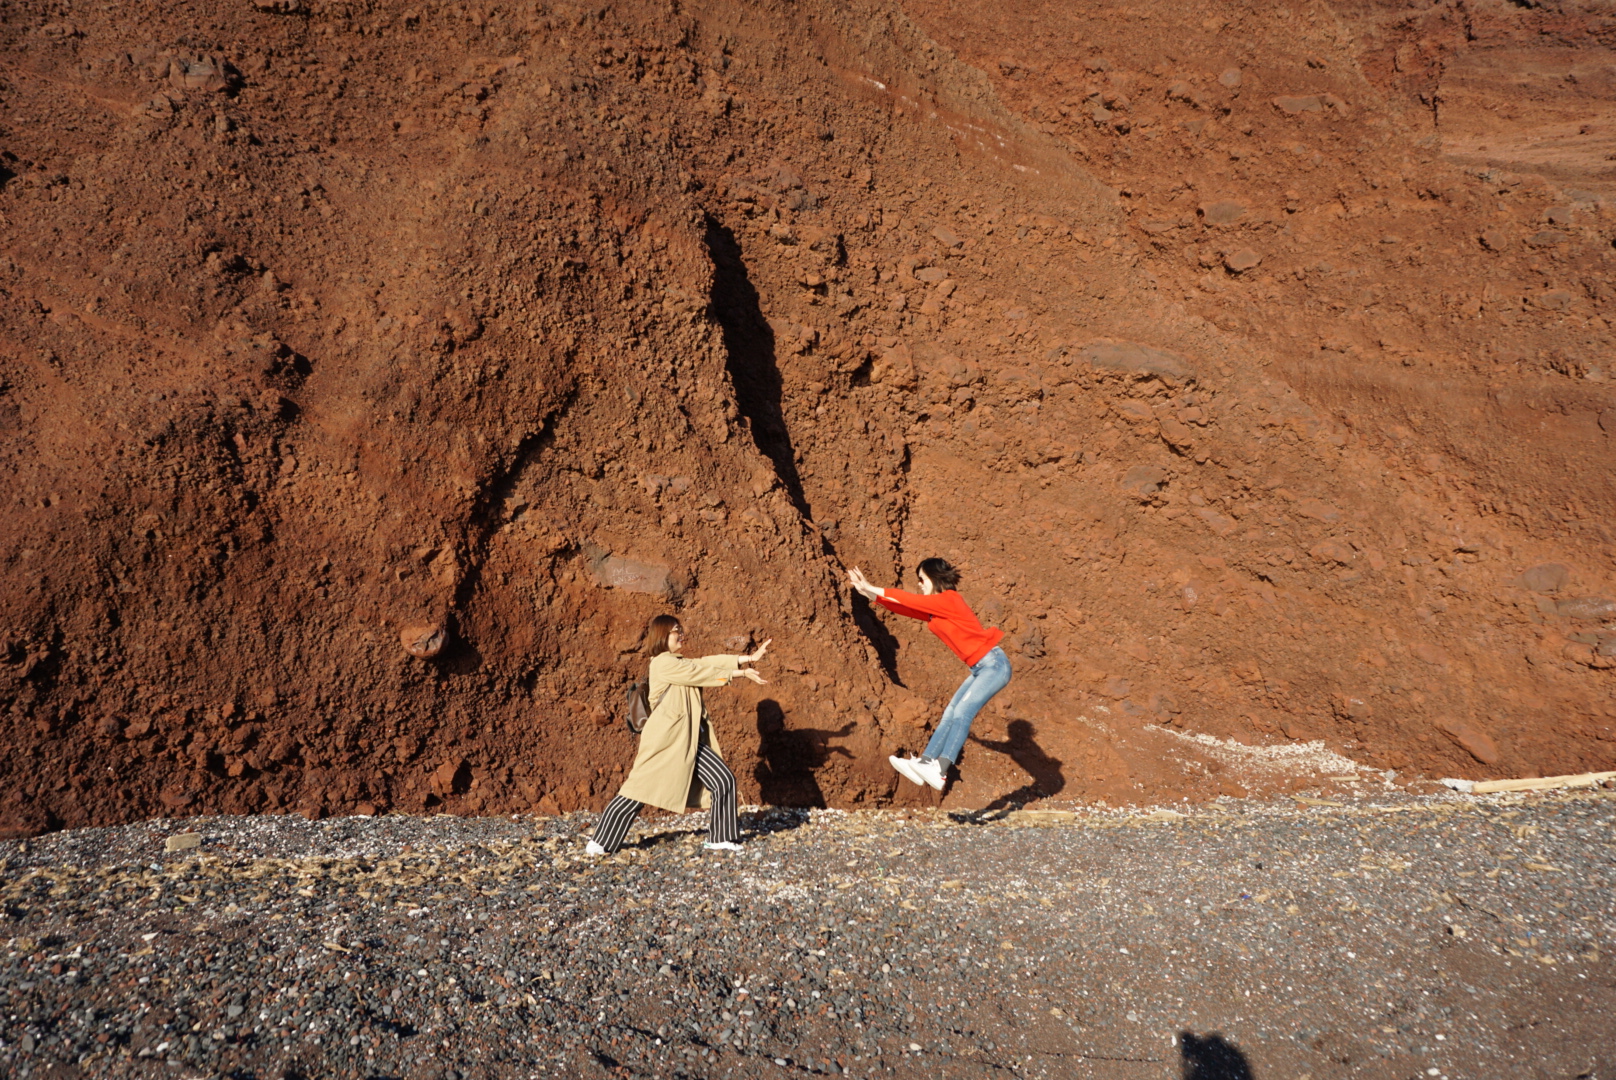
656,635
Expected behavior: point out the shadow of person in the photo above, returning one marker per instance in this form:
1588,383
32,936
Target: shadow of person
1212,1057
788,758
1023,749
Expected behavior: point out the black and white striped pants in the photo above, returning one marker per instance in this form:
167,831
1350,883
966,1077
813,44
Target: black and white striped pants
714,775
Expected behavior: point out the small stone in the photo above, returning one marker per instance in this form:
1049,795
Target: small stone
1607,421
1136,412
1546,238
1143,480
1132,358
632,575
1588,608
931,274
1332,551
1175,434
1318,510
1220,524
234,1011
182,842
947,237
1559,215
1222,212
1230,77
1545,578
1298,105
1430,654
1495,239
423,640
1474,742
1241,261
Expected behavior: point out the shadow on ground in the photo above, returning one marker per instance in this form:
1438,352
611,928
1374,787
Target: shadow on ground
1212,1057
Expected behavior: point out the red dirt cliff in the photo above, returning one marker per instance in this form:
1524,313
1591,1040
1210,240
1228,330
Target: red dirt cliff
371,372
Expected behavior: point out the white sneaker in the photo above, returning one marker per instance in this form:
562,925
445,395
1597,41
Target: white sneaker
906,768
931,771
593,848
721,845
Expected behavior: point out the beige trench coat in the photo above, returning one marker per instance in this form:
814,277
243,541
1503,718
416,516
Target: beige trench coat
664,772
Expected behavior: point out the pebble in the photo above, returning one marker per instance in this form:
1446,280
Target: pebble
1222,212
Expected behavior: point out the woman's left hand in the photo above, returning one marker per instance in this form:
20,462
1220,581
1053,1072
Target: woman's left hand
751,673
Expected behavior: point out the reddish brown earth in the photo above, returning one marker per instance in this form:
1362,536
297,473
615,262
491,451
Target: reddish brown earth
371,372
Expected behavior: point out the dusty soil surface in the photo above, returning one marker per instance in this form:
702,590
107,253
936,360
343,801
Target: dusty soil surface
371,371
1383,936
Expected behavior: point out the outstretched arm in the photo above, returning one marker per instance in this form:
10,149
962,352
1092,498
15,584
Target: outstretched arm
862,586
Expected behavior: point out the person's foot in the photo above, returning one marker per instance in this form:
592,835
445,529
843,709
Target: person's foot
906,768
931,771
593,848
721,845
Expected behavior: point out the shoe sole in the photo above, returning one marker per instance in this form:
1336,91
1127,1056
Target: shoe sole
906,770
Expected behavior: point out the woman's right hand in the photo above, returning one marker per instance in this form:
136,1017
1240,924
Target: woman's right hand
752,658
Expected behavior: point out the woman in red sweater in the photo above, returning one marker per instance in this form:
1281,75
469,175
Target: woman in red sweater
945,613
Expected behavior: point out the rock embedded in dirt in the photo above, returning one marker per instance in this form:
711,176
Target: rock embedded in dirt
1318,510
1471,739
1294,106
1222,212
1495,239
423,640
1332,551
1546,238
1243,259
1230,78
1143,480
633,575
1135,359
1588,608
1545,578
1175,433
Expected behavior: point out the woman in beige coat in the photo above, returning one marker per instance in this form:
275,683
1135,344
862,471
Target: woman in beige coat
678,751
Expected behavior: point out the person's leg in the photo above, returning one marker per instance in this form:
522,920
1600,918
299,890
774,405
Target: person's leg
612,828
720,782
990,675
953,718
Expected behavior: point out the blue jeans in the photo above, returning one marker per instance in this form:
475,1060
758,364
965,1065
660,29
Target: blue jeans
988,676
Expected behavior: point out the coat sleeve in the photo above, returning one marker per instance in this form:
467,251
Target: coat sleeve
706,671
924,608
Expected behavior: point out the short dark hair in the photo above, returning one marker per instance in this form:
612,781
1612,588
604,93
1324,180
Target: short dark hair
941,573
656,635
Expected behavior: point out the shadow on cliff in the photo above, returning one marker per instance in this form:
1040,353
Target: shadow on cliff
789,757
754,369
1022,748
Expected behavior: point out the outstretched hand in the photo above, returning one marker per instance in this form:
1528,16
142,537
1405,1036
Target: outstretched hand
752,658
752,673
861,584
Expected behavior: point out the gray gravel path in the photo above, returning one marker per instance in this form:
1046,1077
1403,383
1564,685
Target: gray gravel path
1388,937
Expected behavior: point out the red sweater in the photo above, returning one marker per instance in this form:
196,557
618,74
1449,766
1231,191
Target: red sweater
947,616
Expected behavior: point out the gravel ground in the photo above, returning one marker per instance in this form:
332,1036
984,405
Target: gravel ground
1390,936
